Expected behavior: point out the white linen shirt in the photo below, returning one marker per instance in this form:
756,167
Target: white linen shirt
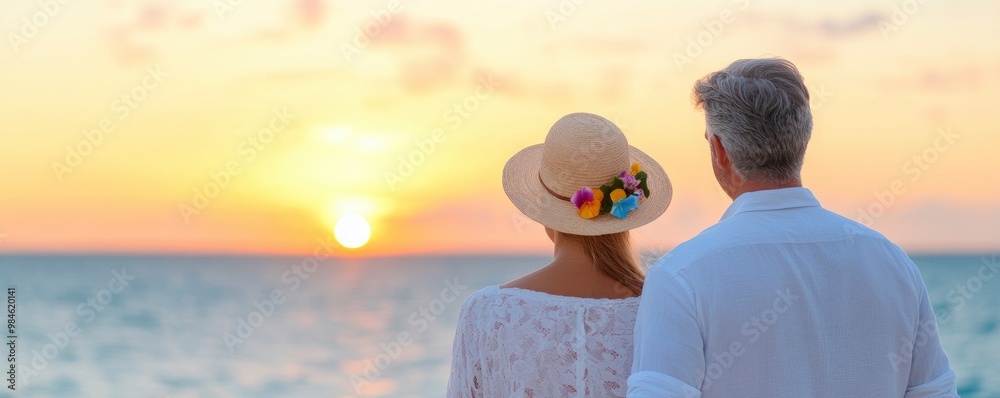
783,298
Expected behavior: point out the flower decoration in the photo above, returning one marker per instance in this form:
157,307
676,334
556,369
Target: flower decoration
623,203
588,202
618,198
629,181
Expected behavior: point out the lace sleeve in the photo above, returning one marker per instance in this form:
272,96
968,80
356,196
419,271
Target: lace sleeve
466,371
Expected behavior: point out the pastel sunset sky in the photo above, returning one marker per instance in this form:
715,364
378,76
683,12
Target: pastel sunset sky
252,127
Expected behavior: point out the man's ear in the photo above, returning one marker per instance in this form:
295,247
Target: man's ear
721,157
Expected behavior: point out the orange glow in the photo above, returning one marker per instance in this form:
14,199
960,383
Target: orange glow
183,130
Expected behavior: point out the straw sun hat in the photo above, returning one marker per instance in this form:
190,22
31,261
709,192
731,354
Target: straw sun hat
581,150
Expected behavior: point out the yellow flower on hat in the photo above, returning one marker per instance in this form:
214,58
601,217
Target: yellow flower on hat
618,195
636,168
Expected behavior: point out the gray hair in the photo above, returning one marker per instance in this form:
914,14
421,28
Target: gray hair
759,108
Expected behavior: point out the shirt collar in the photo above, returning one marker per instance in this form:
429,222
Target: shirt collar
772,199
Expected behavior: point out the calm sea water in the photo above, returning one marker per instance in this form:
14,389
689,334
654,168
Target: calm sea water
267,327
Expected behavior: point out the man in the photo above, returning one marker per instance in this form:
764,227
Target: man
781,298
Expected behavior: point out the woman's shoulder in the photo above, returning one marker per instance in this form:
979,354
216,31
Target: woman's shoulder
475,302
482,295
535,296
498,296
499,311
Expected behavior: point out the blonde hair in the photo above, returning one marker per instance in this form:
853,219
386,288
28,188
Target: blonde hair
613,256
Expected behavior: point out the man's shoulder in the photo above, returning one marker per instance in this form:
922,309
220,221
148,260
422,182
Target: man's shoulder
855,231
717,243
710,241
717,237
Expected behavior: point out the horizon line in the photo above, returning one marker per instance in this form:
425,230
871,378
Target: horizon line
378,256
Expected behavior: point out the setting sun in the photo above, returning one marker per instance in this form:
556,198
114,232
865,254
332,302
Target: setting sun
352,231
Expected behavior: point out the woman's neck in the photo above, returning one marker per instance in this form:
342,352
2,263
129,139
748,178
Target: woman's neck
568,253
571,273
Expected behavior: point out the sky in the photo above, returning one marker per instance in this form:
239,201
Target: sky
228,126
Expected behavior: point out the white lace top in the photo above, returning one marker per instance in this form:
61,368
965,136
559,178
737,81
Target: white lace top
521,343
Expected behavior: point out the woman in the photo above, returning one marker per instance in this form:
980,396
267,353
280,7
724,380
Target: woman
565,330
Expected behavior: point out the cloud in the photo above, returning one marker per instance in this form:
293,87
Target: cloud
300,16
407,31
137,30
126,49
938,79
592,45
310,13
864,23
269,35
813,40
967,77
428,54
813,54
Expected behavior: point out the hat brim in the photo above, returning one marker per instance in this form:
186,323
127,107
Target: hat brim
524,188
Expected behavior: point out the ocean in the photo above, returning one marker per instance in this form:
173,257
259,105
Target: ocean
168,326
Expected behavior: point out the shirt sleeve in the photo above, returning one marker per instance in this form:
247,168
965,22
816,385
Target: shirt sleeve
669,351
930,373
466,371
